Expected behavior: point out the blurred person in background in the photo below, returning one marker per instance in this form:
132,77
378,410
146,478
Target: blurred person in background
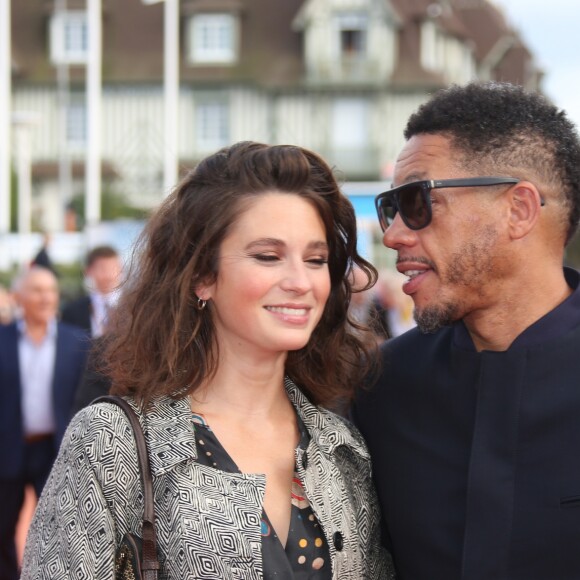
231,337
103,273
360,301
391,310
7,306
94,381
43,258
41,361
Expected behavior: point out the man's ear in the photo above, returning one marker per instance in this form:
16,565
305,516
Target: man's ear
525,206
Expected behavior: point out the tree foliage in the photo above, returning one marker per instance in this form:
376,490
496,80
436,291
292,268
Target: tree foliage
113,206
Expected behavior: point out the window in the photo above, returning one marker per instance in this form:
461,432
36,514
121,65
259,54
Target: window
69,37
350,124
350,141
213,126
212,38
76,124
352,34
432,47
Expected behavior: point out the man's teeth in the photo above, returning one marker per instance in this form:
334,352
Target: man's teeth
412,273
289,311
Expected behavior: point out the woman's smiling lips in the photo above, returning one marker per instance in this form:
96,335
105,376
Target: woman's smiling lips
293,313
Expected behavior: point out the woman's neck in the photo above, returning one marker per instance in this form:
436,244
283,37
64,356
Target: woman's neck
245,389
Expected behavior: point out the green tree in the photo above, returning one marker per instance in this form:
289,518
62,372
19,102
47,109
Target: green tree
113,206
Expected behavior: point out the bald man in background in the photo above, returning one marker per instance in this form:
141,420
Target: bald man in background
41,362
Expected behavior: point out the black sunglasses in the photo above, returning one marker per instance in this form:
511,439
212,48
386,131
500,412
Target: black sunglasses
413,200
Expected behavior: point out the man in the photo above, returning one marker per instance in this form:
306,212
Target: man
41,362
103,273
474,426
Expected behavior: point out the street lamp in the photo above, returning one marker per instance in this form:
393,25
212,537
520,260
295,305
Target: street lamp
170,91
93,163
5,112
22,122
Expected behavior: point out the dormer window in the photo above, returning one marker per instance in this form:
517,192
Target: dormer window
352,34
69,37
213,38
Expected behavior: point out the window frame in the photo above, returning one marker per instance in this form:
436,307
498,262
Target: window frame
214,129
213,38
69,25
76,125
349,108
353,23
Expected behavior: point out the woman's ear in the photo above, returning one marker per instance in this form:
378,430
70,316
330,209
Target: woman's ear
204,290
525,206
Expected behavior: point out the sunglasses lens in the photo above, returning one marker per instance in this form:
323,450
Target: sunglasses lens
387,212
413,207
411,201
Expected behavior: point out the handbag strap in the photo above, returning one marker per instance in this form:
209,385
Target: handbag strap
150,562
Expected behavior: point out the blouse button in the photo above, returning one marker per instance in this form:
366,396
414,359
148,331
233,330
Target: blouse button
337,540
304,460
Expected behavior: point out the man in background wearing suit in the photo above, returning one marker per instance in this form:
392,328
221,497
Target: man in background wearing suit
103,272
41,362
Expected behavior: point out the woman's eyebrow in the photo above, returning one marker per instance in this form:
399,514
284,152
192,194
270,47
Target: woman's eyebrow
269,242
318,245
263,242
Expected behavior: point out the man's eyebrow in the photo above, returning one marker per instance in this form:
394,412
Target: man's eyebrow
411,179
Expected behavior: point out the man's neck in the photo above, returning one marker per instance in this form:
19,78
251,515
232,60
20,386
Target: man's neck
496,328
36,330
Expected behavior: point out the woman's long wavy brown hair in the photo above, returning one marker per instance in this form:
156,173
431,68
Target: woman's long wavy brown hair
161,344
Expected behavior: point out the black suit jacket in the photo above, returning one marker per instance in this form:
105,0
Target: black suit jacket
71,351
94,383
476,455
78,313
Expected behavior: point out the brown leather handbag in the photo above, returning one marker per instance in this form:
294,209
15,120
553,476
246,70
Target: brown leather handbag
136,557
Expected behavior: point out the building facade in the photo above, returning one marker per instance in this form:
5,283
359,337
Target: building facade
337,76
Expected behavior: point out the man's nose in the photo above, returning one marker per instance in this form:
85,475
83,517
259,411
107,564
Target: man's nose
398,234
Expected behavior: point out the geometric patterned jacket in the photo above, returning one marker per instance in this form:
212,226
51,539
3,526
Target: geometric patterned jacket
208,521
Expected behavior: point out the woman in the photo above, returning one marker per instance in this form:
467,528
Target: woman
231,334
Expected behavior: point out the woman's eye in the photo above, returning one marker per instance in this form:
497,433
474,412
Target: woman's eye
266,257
318,261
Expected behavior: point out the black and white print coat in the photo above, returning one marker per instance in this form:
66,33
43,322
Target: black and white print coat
208,521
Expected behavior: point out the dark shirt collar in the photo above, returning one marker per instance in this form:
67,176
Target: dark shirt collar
564,318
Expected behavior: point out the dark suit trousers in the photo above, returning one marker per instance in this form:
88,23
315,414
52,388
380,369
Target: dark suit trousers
38,460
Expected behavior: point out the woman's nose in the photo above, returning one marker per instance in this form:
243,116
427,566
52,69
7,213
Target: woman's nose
296,278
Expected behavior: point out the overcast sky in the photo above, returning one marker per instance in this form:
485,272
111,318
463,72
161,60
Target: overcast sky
552,31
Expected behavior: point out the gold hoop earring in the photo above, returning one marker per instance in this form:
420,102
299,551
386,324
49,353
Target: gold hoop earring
201,304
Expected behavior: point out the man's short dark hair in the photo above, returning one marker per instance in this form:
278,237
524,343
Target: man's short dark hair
99,252
502,127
